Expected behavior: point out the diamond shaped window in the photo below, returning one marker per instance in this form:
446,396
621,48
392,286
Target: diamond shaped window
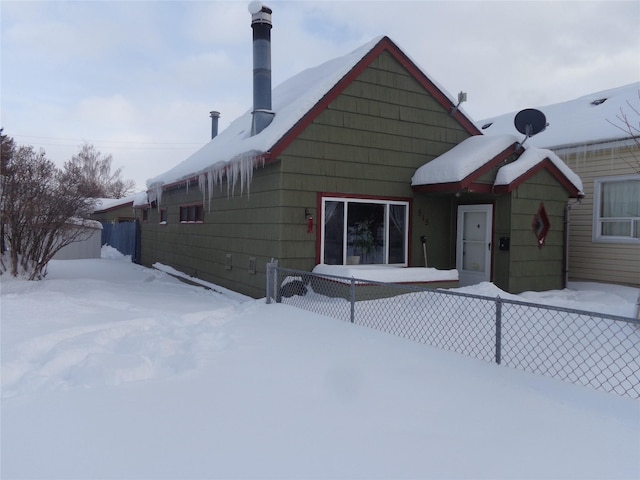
541,225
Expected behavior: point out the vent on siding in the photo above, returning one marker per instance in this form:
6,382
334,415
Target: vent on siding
228,261
252,265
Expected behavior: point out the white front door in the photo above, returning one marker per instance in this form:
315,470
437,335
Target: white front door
473,246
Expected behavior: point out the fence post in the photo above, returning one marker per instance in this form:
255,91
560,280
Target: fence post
268,286
352,292
498,330
272,280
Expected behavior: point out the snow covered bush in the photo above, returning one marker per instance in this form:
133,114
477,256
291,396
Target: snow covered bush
42,209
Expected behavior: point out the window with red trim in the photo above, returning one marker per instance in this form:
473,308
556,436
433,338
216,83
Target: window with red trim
192,213
364,231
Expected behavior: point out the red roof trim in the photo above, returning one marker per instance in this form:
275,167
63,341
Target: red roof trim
385,44
439,187
548,165
320,220
363,197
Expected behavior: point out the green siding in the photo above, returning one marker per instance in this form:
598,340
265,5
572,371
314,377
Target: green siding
243,226
369,141
532,267
502,228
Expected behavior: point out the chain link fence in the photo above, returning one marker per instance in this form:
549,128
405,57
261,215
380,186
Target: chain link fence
591,349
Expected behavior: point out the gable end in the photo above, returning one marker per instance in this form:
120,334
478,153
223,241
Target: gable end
548,165
384,45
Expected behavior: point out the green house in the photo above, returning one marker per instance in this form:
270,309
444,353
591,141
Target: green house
326,175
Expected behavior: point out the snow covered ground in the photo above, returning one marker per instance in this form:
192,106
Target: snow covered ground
113,370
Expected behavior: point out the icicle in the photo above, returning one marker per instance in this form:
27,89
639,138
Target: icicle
202,186
219,176
158,194
210,182
236,175
246,173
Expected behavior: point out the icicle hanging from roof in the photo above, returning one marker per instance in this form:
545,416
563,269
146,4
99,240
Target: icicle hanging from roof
239,170
202,186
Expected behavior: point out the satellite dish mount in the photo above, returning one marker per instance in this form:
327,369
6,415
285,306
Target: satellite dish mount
530,122
462,97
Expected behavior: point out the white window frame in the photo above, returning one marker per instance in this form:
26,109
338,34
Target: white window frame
379,201
598,220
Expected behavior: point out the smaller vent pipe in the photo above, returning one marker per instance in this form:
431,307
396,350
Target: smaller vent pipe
214,123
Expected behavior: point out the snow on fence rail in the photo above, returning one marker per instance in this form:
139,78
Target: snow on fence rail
591,349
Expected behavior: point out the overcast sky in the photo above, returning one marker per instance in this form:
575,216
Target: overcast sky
137,79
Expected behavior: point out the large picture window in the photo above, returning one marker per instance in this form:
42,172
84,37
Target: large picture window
363,231
616,209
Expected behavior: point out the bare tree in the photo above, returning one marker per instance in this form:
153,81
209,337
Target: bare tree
628,120
93,171
43,210
7,147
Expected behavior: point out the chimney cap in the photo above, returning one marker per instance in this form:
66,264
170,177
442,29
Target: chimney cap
256,7
214,113
260,13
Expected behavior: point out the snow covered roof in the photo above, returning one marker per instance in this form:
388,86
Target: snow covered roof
137,199
103,204
291,100
234,152
462,160
459,167
530,159
585,120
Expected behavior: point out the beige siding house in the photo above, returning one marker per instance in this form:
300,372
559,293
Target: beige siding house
591,135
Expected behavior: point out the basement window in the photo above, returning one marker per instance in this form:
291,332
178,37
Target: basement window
192,213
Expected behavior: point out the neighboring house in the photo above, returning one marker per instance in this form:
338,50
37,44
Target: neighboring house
589,134
88,246
121,222
326,169
115,210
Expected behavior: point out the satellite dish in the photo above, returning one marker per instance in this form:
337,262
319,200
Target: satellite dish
530,122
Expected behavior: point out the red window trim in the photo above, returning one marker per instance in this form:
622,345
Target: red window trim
320,220
189,205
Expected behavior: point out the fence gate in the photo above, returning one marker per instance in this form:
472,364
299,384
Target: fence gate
124,237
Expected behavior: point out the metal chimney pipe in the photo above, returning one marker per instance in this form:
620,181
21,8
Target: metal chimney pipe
214,123
261,26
